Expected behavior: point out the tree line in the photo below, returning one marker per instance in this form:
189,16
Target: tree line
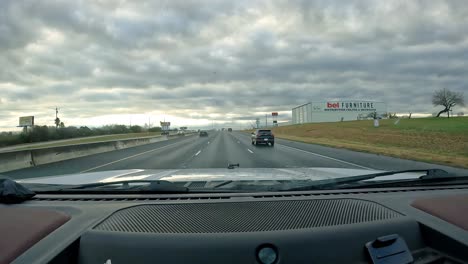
46,133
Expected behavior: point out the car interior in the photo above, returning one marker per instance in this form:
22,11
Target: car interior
374,225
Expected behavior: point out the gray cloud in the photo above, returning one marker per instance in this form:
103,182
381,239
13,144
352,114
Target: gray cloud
221,57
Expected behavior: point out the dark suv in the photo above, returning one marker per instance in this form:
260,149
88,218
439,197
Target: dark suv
263,136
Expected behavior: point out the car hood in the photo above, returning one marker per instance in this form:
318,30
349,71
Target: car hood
237,174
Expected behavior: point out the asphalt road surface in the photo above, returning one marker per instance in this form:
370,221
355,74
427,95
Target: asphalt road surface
217,151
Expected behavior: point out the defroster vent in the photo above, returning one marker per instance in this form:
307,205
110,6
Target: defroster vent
244,216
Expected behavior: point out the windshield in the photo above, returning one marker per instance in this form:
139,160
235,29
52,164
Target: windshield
219,92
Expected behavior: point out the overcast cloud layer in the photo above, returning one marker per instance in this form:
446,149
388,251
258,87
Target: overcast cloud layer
194,62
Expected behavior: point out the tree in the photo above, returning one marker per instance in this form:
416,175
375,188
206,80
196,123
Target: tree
57,122
136,129
85,131
154,129
62,125
38,134
447,99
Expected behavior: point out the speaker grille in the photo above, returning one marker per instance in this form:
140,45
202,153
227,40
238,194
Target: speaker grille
244,216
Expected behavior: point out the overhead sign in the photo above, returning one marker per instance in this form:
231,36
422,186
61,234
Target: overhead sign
26,121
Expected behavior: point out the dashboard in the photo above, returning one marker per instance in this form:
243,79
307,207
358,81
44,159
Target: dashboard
385,225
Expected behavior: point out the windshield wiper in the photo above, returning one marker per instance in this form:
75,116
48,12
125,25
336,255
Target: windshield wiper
430,175
152,186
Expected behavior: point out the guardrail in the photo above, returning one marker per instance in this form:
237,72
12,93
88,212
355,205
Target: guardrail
20,159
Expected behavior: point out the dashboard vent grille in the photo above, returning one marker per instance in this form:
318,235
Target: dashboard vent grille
244,216
197,184
356,191
119,199
110,198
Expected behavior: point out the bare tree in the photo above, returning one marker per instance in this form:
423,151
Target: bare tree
447,99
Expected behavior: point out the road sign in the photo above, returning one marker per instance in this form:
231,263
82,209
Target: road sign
165,125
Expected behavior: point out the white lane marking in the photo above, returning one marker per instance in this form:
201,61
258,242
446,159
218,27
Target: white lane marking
250,151
208,142
325,157
196,154
129,157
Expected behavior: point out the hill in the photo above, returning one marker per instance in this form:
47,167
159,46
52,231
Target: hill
434,140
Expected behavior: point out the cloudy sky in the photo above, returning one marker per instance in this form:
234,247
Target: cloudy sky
195,63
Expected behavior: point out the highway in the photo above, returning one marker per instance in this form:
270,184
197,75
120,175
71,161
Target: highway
217,151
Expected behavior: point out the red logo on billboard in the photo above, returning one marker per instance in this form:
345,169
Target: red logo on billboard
333,105
274,114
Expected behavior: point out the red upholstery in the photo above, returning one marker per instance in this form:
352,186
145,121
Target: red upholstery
453,209
21,228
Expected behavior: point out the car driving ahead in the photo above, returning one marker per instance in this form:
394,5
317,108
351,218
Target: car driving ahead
263,136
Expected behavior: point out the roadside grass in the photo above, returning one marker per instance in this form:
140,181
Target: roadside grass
433,140
85,140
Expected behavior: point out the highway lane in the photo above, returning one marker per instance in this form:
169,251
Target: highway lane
217,151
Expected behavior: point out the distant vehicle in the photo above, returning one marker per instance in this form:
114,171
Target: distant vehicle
263,136
203,134
181,133
230,129
165,133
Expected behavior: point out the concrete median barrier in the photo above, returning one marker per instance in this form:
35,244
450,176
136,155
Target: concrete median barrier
49,155
14,160
27,158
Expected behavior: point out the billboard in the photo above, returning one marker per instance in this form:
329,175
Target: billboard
26,121
335,111
343,106
165,125
274,114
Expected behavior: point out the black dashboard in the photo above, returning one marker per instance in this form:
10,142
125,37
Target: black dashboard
392,225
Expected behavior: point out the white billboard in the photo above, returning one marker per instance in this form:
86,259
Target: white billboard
26,121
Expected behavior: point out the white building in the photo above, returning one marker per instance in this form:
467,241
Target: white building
334,111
